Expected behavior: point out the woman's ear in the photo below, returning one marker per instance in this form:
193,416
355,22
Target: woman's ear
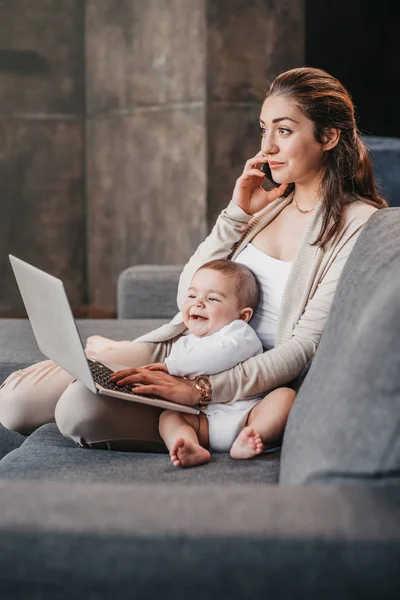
330,138
246,314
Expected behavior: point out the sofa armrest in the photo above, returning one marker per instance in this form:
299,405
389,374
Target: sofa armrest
148,291
196,541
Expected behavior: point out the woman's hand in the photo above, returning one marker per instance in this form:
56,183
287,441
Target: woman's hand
249,193
145,381
96,344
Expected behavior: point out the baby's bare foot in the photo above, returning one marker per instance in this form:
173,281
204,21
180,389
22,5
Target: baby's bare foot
185,453
247,444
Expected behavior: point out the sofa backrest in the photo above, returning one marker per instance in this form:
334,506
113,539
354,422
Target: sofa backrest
345,422
385,156
148,292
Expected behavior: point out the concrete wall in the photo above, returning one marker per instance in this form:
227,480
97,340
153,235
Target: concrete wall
146,135
123,132
42,216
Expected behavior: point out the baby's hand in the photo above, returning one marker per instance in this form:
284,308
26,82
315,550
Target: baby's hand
157,367
96,344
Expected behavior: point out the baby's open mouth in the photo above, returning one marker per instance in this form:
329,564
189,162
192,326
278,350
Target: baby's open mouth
197,318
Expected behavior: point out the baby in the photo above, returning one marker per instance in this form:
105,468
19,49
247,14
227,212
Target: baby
220,302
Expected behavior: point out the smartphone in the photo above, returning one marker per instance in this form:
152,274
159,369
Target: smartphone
264,167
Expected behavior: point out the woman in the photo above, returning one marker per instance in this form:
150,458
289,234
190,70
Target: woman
296,237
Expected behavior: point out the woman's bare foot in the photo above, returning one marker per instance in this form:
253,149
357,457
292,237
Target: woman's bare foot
247,444
185,453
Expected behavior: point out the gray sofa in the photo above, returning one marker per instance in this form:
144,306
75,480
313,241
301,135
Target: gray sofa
320,519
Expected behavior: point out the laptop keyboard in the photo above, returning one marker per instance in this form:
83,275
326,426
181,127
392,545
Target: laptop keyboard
101,375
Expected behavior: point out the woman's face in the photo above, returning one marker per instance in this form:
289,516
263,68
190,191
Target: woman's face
288,142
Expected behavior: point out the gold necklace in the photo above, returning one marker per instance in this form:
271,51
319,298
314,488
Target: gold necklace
304,212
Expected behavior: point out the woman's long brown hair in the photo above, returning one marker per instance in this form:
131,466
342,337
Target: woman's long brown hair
348,174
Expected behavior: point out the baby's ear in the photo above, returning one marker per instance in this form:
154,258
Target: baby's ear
246,314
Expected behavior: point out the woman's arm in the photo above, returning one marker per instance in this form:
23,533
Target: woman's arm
285,362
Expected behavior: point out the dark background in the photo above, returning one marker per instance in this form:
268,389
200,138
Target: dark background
358,41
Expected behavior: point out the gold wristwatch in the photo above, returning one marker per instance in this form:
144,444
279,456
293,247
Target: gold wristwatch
202,383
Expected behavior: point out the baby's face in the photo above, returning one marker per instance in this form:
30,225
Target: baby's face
211,303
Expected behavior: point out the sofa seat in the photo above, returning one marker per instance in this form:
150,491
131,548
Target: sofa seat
48,455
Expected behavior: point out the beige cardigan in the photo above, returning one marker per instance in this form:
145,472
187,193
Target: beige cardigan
305,304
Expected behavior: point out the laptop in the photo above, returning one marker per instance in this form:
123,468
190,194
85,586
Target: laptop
58,338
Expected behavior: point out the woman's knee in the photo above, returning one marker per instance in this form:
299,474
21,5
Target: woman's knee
74,414
28,397
15,405
11,411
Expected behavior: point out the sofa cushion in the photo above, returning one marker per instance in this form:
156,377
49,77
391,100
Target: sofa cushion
46,454
9,440
345,422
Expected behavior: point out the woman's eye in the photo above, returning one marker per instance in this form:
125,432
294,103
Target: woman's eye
283,131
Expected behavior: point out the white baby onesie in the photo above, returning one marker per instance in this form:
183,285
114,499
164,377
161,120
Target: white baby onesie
191,356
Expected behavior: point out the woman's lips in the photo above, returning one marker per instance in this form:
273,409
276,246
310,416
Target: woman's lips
276,165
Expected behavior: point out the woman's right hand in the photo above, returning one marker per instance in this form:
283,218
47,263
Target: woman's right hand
249,193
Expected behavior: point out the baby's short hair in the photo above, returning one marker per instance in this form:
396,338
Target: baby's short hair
247,286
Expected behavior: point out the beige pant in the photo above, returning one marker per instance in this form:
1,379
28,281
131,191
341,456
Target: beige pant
45,393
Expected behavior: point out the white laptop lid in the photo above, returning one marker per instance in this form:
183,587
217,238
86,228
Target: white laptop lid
52,320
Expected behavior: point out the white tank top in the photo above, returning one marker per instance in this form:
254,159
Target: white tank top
272,275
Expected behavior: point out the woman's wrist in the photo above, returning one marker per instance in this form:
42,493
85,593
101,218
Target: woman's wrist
202,384
236,211
193,397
